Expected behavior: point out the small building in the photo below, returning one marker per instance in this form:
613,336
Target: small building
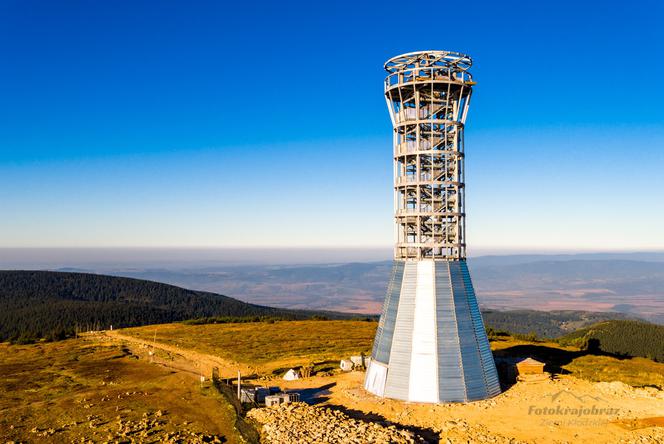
281,398
292,375
273,400
530,370
346,365
247,395
261,393
292,397
254,394
358,361
529,366
520,369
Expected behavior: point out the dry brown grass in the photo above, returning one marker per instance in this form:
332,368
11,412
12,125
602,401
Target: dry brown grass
636,372
60,386
267,345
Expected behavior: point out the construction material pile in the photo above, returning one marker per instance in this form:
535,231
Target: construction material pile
299,422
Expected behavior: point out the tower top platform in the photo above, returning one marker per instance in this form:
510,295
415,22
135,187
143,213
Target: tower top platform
431,58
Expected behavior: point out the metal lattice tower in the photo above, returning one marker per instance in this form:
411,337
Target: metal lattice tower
430,344
428,94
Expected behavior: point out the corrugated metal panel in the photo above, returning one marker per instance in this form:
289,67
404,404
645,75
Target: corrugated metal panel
450,378
423,386
433,338
399,365
385,331
470,353
488,365
374,380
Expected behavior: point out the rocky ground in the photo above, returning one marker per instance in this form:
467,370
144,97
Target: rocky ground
86,392
522,414
150,428
302,423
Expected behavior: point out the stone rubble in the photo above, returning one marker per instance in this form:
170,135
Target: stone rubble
301,423
618,388
148,429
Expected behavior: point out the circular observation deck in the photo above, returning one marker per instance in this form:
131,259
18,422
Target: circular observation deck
420,59
428,67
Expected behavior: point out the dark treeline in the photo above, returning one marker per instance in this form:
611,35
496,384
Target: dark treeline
496,335
273,319
623,338
53,305
543,324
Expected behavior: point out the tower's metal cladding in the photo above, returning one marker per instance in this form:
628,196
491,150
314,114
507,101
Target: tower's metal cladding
430,345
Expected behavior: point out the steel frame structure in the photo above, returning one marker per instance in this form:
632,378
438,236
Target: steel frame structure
430,344
428,95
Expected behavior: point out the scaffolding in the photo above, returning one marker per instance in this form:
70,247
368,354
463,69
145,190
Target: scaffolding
428,95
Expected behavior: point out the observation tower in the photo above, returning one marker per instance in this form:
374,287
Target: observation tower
430,345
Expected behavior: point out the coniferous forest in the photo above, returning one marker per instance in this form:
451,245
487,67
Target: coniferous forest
54,305
620,337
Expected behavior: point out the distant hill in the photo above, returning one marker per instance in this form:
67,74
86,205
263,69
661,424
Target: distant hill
546,324
624,338
629,283
625,286
37,304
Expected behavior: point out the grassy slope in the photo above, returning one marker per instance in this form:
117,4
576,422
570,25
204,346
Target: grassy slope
637,372
60,386
283,344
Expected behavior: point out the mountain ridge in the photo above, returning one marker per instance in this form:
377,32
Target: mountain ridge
37,304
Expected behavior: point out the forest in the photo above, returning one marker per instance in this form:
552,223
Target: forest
620,337
544,324
53,305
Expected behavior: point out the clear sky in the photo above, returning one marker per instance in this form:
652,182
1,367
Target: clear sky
231,124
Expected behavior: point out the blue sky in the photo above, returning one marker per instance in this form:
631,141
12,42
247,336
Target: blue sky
231,124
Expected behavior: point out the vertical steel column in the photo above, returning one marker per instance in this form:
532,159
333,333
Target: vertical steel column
428,94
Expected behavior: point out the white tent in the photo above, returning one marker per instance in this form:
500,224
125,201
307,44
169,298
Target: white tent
292,375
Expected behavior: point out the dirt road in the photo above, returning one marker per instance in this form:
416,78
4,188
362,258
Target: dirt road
185,360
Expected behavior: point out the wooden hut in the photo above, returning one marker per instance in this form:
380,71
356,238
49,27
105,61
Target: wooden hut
529,366
531,370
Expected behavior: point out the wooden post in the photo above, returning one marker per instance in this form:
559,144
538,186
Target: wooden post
239,382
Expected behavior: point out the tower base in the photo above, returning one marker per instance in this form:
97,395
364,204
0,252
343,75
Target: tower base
431,345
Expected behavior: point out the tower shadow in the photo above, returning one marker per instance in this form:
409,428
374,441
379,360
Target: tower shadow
554,359
429,435
315,395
